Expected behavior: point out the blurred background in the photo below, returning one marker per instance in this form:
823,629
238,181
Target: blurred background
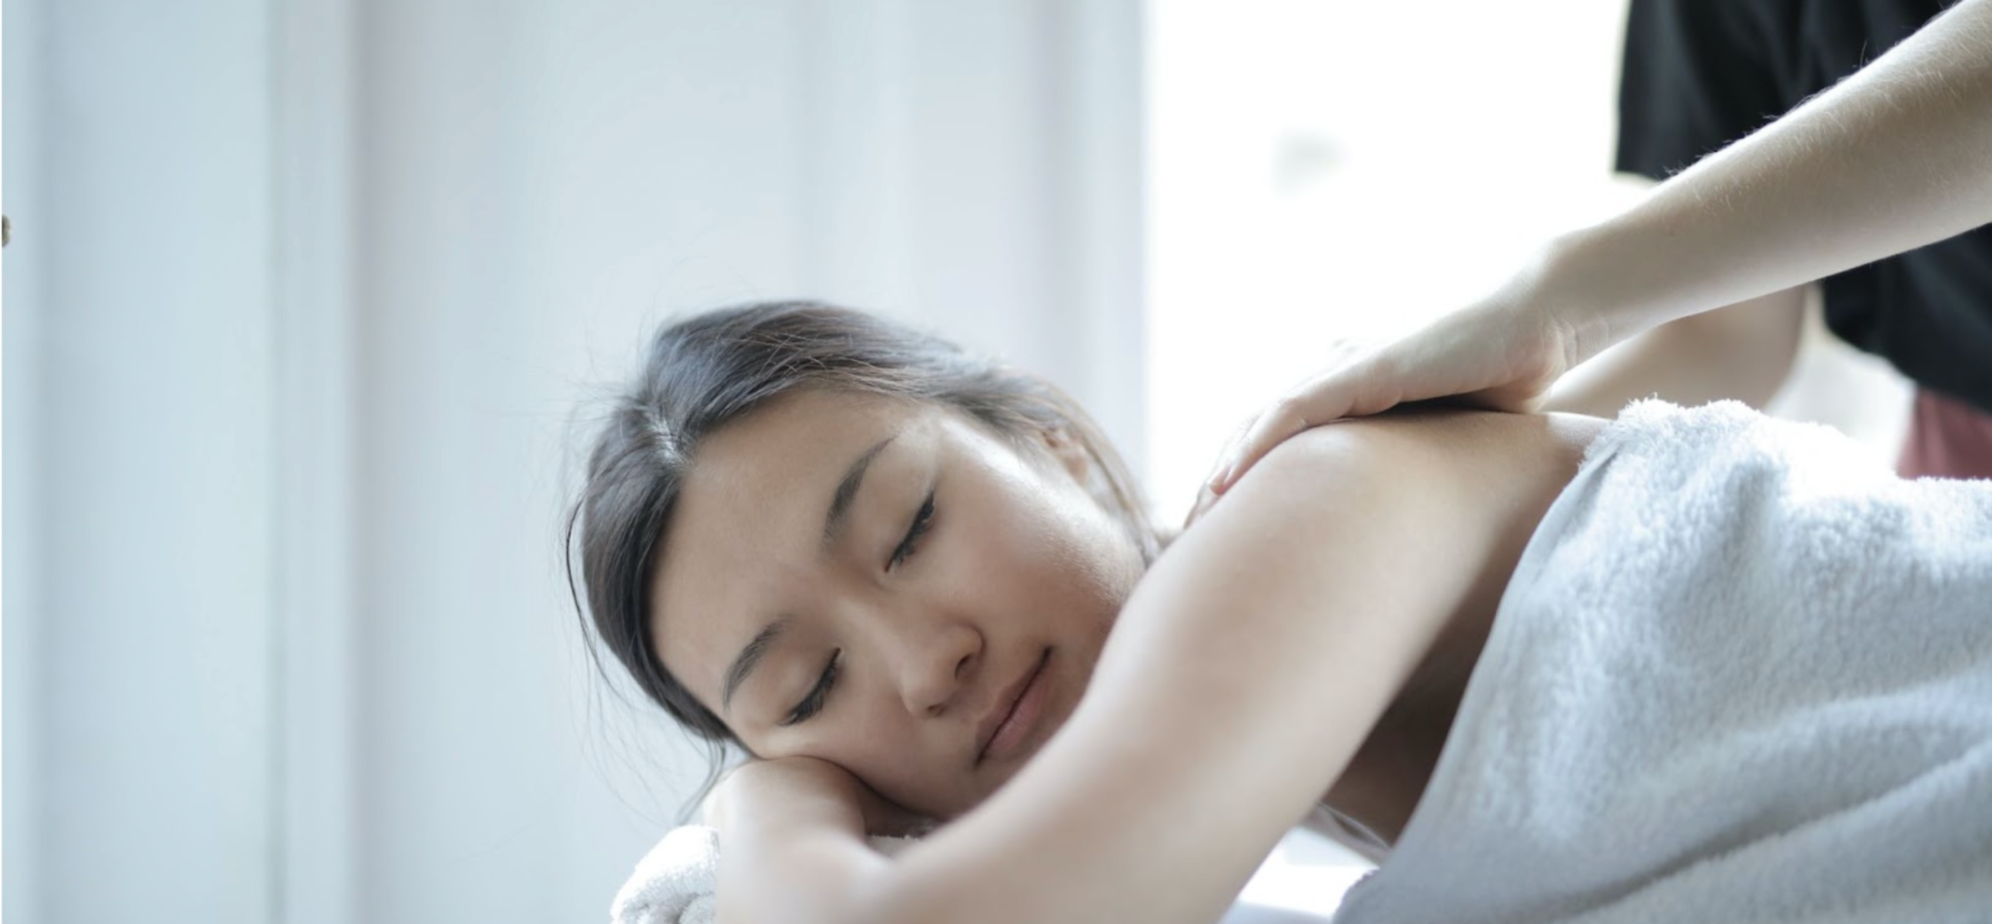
307,301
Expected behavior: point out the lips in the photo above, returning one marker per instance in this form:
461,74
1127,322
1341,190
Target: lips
1015,715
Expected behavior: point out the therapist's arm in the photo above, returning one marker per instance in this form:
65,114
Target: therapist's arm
1896,156
1743,352
1889,159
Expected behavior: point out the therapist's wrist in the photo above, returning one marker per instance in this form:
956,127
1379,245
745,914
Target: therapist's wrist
1596,290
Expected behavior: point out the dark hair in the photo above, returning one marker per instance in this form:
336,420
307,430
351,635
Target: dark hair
709,370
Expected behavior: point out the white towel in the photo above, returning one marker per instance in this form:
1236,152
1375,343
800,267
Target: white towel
673,883
1741,674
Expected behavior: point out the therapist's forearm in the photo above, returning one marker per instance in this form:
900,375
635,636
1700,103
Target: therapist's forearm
1742,352
1894,157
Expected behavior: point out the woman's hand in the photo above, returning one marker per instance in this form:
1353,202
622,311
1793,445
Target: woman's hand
1502,353
793,848
790,780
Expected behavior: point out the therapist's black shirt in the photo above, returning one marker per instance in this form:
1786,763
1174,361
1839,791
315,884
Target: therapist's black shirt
1702,73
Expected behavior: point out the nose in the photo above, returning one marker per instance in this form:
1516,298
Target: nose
936,661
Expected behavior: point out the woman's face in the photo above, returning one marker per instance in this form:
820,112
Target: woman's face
876,582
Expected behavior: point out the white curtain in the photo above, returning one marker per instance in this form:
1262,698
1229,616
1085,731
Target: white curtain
301,304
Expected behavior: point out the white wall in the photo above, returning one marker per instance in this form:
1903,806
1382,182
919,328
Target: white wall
139,407
21,639
325,282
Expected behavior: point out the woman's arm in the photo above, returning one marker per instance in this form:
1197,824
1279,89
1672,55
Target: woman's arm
1247,668
792,841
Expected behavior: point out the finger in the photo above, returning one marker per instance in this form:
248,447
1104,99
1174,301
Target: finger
1228,452
1343,393
1318,400
1195,506
1272,428
1205,497
1347,349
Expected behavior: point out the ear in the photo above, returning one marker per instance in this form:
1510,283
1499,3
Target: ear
1070,454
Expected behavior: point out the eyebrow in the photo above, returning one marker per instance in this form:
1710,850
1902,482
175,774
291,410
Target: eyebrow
847,491
834,522
751,656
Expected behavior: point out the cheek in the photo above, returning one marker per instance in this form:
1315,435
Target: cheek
937,792
1044,569
864,731
1091,556
901,771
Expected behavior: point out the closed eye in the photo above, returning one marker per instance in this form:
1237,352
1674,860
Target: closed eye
922,521
813,703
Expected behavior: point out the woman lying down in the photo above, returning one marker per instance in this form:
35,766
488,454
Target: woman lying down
1694,664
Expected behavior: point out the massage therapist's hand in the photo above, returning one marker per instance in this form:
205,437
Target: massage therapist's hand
1886,160
1501,353
764,787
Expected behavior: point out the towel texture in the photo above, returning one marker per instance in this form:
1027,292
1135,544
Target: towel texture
1742,673
673,883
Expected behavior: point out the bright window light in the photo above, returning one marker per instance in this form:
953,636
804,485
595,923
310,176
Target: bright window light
1323,170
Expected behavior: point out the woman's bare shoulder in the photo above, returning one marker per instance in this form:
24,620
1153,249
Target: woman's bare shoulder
1486,459
1481,437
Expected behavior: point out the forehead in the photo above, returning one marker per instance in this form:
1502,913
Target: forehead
749,517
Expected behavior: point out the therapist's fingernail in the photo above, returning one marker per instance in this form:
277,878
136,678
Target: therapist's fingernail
1216,482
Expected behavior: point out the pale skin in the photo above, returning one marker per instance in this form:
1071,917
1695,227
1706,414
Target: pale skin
1890,159
1309,640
